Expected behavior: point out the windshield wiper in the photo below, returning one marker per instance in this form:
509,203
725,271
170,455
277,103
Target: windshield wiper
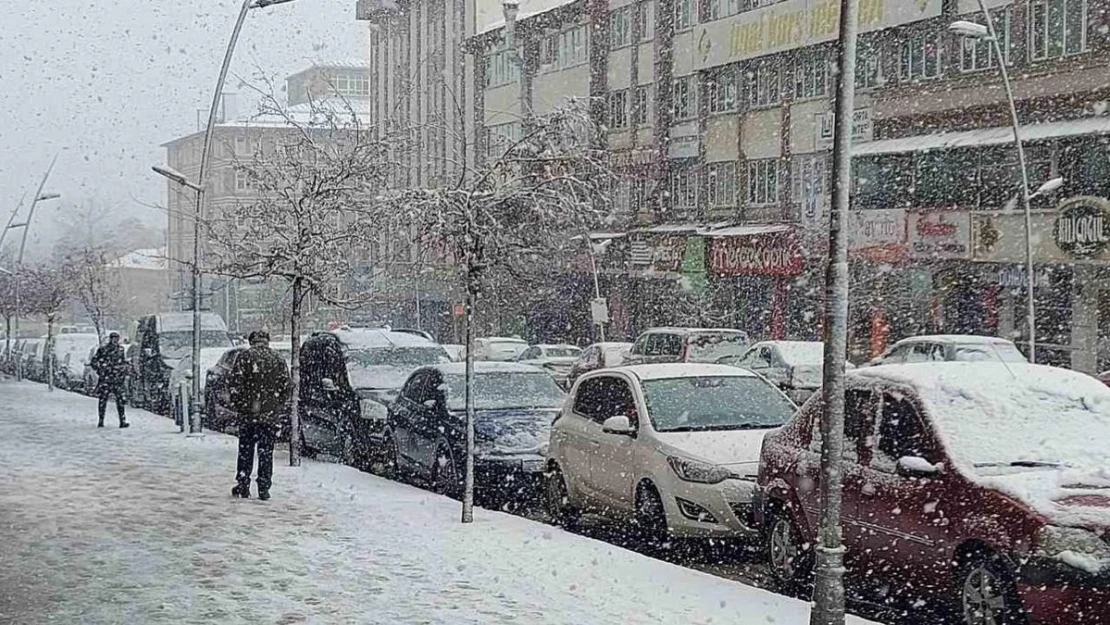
1021,463
707,428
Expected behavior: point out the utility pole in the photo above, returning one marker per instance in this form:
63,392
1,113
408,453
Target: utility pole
828,591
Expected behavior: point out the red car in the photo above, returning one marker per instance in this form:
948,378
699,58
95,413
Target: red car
979,488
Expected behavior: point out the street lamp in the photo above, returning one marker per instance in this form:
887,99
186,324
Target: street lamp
198,186
979,31
26,225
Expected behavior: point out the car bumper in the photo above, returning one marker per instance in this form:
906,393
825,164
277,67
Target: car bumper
724,510
1054,593
509,475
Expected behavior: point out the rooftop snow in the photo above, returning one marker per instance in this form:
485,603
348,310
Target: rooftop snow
984,136
528,9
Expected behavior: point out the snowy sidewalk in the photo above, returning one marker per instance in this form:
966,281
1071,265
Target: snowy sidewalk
138,526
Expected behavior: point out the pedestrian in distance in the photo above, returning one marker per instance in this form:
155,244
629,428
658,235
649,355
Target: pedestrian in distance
111,367
260,387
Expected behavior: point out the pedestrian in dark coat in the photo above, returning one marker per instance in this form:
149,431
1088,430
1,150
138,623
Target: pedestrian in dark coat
260,388
112,368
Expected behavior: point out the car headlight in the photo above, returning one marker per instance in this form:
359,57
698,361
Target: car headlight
691,470
1074,546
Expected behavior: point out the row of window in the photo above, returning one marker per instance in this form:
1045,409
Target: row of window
630,107
622,24
501,68
564,49
723,184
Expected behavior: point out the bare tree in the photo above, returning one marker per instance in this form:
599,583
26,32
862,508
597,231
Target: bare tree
523,204
309,214
95,286
45,290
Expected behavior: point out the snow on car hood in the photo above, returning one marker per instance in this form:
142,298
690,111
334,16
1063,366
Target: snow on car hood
513,431
1069,497
738,449
379,376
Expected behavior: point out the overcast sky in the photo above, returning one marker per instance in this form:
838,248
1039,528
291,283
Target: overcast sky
104,83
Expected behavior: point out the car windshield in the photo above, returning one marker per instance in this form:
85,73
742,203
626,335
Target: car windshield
699,403
403,357
504,390
988,352
562,352
178,344
712,346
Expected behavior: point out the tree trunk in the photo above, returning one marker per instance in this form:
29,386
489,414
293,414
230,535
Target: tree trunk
468,484
295,375
50,351
8,336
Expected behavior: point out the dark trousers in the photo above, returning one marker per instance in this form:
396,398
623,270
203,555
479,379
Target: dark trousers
250,435
103,393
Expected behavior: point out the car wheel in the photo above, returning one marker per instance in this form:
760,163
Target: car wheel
988,595
446,478
352,455
790,558
388,464
651,517
557,499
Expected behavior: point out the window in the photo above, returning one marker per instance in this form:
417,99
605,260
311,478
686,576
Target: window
620,27
869,65
882,181
622,196
920,57
723,89
501,67
811,184
684,188
661,344
946,178
641,106
762,84
900,431
1000,177
502,137
242,181
683,14
352,83
811,73
603,397
1057,28
721,184
763,181
647,27
716,9
977,54
685,98
564,49
618,108
859,416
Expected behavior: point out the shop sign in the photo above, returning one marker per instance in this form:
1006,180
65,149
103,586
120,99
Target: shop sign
662,254
879,235
761,255
781,26
939,234
862,128
1014,277
1082,228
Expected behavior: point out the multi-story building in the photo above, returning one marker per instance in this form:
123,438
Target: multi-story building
718,112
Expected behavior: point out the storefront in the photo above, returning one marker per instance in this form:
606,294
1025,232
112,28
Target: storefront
754,271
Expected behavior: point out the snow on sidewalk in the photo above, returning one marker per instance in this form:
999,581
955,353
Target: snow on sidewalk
138,526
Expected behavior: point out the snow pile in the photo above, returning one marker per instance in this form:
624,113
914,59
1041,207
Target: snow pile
137,526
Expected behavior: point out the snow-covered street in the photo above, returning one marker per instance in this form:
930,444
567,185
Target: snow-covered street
138,526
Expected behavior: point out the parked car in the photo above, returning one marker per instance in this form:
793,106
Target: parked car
158,343
457,353
499,348
70,353
950,348
32,355
218,411
421,333
793,366
514,405
686,345
671,447
598,356
556,359
89,376
981,485
351,369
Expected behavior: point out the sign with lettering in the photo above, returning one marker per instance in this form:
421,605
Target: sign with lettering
774,254
1082,228
938,234
862,128
796,24
660,253
878,235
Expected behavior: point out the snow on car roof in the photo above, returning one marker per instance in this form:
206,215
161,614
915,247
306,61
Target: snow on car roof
369,338
989,412
681,370
556,346
504,339
483,366
796,352
967,339
692,330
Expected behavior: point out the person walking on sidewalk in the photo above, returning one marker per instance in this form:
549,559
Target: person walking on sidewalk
111,367
260,387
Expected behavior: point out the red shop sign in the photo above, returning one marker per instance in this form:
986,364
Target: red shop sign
760,255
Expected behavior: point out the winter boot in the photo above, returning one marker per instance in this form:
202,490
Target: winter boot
124,424
242,492
100,423
264,495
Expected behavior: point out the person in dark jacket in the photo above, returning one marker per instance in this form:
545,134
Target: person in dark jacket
111,367
259,386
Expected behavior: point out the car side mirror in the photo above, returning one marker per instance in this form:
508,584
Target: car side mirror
618,425
328,385
913,466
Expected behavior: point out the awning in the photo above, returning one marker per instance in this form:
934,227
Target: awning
984,137
748,230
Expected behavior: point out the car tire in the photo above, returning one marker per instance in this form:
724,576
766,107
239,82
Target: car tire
352,455
651,517
986,592
446,478
388,460
789,557
556,497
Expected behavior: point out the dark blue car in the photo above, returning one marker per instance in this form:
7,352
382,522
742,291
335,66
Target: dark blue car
425,434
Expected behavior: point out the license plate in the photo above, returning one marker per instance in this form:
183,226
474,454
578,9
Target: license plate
531,466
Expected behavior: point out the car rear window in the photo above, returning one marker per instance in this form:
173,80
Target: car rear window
712,346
